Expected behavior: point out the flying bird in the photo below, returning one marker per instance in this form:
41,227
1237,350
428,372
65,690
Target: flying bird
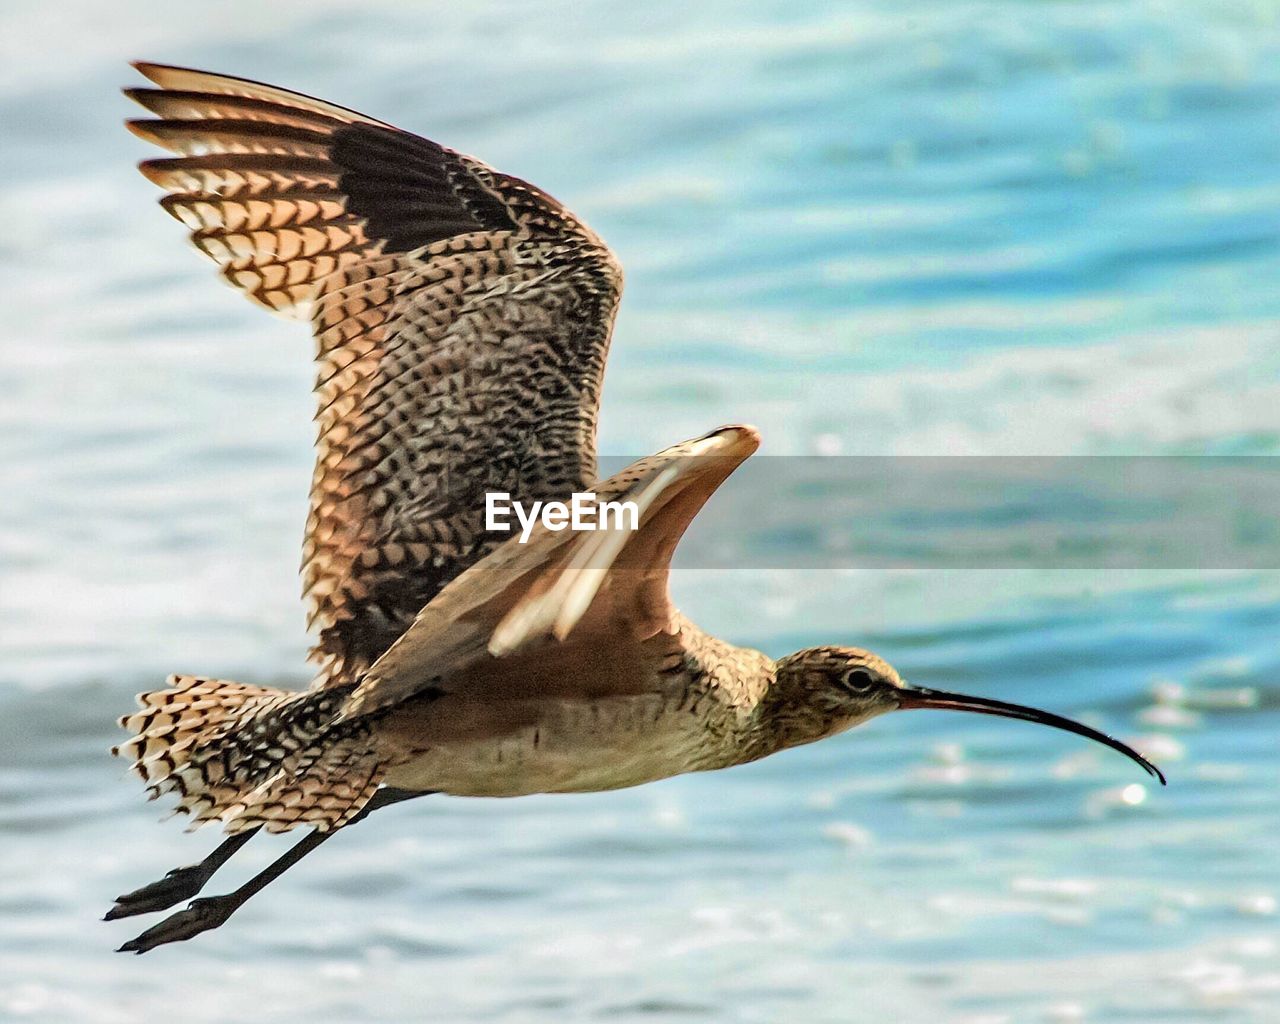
462,320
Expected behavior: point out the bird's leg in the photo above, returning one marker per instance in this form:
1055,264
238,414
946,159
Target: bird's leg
212,912
203,914
385,797
179,884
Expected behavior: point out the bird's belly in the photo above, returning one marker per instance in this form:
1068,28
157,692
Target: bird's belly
570,748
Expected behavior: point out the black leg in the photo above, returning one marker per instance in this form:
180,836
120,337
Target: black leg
179,884
203,914
385,797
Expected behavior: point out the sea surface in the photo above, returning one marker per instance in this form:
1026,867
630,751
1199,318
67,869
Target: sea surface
991,229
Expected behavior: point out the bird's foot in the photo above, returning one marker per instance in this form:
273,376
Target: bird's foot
199,916
178,885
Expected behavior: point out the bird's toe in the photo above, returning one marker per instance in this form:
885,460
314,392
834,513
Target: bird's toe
200,916
178,885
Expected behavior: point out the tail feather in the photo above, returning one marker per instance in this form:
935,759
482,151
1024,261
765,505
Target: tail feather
252,755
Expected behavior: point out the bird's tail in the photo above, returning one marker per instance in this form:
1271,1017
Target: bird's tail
251,755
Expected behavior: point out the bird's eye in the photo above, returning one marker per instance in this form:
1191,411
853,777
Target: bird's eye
857,680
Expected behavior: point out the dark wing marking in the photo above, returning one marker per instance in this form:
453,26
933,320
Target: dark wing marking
462,319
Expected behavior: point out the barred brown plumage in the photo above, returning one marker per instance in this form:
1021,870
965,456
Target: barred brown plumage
444,297
249,755
462,319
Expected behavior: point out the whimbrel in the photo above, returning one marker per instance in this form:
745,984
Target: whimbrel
462,319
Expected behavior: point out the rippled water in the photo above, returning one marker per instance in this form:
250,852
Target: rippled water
951,228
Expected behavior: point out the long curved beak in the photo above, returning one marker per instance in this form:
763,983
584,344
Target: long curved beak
919,697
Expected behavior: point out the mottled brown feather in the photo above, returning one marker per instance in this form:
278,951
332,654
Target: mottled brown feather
603,589
250,755
462,319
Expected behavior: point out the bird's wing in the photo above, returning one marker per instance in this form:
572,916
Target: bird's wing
462,320
607,586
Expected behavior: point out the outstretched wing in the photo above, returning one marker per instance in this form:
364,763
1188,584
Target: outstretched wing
603,588
462,320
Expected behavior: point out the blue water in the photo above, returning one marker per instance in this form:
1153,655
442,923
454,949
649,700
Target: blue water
982,228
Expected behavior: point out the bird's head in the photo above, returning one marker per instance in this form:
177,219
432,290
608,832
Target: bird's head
821,691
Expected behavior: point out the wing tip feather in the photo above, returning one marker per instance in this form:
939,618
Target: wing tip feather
155,72
157,171
137,93
143,128
176,77
736,438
